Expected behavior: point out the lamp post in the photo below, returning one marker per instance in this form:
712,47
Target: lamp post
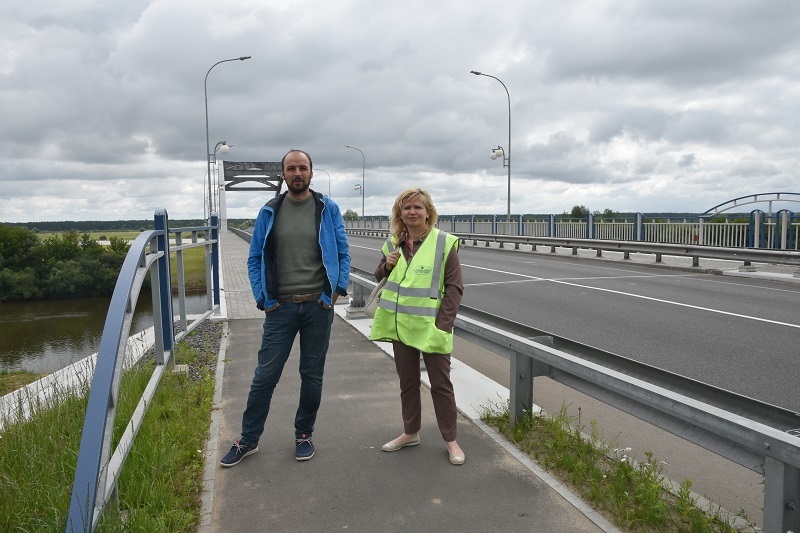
329,179
506,155
208,146
363,168
223,147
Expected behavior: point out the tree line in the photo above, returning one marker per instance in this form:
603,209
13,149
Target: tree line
111,225
67,265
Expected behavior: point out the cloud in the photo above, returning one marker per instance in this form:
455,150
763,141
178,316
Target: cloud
656,106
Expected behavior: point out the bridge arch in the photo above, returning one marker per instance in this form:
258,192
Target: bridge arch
768,197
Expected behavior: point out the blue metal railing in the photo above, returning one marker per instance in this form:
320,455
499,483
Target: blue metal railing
98,468
781,231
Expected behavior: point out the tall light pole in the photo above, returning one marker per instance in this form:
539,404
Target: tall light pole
363,168
329,179
223,147
507,154
208,145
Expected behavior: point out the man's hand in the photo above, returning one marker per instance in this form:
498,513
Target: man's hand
333,301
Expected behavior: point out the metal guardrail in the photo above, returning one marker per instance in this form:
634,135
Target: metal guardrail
658,250
747,431
98,468
756,229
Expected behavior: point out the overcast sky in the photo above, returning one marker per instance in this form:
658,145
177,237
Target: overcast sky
664,105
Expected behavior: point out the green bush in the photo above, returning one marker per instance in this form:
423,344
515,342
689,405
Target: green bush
61,266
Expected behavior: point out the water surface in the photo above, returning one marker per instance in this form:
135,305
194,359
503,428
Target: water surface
47,335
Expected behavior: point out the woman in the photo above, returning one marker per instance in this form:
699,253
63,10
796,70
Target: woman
416,313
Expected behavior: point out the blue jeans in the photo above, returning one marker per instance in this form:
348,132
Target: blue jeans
281,326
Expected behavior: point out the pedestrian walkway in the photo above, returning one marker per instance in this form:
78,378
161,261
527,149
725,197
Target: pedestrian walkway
238,297
351,484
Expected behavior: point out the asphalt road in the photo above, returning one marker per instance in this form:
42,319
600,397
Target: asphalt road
740,334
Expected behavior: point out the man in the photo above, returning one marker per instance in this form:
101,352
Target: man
298,266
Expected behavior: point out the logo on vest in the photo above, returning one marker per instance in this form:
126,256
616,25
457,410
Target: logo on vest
423,270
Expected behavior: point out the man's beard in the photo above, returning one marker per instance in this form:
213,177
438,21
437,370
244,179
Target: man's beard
299,188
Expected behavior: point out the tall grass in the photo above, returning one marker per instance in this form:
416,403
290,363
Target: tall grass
635,496
160,484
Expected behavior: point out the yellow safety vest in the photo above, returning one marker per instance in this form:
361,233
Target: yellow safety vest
412,296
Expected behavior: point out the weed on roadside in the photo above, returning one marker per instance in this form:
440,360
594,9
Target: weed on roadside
635,496
161,482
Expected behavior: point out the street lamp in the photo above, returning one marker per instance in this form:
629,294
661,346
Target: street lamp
329,179
498,152
209,155
223,147
363,168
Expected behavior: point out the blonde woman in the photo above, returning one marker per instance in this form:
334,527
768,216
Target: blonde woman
416,314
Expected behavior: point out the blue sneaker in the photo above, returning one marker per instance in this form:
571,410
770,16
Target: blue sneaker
304,448
238,451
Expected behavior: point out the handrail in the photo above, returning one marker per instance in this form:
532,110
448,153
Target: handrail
97,469
746,255
780,230
743,429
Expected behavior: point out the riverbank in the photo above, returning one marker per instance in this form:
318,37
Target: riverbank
167,448
11,380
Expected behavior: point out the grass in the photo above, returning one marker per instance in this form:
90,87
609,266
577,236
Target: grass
161,481
194,269
11,380
634,496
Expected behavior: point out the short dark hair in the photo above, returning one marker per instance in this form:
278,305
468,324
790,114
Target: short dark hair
310,163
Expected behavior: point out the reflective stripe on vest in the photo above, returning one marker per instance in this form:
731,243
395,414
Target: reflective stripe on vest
430,292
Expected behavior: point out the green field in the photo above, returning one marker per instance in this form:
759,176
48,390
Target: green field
105,235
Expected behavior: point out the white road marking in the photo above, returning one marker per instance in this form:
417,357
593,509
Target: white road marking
650,298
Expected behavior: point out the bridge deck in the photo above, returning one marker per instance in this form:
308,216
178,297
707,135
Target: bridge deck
350,483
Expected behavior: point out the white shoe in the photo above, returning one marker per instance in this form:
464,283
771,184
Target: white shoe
398,443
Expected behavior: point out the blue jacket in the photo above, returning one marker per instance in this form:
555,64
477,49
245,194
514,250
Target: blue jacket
332,242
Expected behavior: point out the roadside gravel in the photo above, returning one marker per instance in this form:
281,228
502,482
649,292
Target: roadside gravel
205,339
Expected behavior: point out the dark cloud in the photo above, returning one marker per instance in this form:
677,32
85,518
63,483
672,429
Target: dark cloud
655,106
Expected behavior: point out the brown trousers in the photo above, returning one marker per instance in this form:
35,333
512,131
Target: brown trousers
406,360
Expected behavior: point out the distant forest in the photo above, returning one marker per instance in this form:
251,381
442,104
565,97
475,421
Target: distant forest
116,225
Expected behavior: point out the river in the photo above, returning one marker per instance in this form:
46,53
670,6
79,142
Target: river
47,335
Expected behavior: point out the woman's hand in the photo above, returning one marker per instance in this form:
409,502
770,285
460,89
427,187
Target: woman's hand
391,260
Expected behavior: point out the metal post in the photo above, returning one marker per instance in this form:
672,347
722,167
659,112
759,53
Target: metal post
215,255
208,144
329,179
363,170
161,221
507,155
781,496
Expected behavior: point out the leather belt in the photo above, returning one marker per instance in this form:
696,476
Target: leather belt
299,298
